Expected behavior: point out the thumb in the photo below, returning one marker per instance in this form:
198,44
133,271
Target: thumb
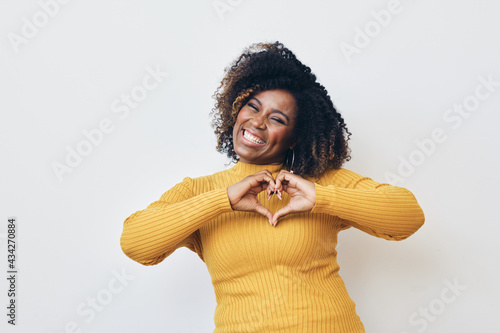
264,212
282,212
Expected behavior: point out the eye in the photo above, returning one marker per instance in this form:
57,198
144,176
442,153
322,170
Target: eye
278,120
253,107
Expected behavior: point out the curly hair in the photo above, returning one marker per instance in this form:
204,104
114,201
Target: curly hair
322,136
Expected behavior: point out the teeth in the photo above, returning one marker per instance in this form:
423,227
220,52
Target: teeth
252,138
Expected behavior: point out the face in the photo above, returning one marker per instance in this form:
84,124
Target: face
263,130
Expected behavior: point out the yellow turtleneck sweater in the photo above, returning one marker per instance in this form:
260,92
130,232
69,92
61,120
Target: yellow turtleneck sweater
271,279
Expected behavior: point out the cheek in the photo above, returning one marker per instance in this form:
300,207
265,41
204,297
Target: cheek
281,136
241,118
238,122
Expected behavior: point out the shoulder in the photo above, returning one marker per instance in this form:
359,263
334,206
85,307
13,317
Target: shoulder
182,190
339,177
209,182
211,177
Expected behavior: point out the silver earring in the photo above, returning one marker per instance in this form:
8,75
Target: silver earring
293,158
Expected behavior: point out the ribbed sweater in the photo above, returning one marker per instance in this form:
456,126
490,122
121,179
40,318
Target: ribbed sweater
271,279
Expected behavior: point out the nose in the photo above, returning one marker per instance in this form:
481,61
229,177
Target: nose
258,121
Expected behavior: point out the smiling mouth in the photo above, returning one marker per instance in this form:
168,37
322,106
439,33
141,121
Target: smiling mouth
252,138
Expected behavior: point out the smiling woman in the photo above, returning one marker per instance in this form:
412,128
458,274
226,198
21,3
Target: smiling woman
289,142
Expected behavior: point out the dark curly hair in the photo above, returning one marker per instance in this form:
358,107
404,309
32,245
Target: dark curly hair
320,130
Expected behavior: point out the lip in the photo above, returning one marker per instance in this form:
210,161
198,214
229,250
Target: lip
251,143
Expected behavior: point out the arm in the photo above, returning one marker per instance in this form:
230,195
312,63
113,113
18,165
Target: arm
381,210
152,234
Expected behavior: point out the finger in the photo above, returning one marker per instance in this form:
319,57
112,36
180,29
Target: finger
266,172
270,192
266,182
269,186
277,180
282,180
290,180
264,212
284,176
268,177
282,212
275,190
263,180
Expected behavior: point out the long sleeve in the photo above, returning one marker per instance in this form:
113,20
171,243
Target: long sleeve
381,210
152,234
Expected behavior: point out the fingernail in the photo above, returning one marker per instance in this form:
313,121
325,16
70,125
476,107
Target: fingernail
279,194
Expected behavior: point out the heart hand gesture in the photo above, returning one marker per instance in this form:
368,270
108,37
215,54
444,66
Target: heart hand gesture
243,195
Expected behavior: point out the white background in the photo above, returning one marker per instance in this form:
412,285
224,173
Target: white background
66,76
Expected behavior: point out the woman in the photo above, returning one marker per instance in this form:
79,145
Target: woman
280,126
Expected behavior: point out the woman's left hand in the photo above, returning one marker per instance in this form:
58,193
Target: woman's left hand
302,194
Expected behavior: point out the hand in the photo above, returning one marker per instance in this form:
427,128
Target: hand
302,194
243,194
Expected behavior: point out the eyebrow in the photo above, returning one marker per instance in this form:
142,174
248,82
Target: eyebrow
274,110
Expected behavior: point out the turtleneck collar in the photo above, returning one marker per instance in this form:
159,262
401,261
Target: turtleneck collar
249,169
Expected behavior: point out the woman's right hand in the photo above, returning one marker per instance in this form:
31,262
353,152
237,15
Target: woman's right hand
243,194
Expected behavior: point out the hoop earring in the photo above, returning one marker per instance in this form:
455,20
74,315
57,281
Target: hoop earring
293,159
